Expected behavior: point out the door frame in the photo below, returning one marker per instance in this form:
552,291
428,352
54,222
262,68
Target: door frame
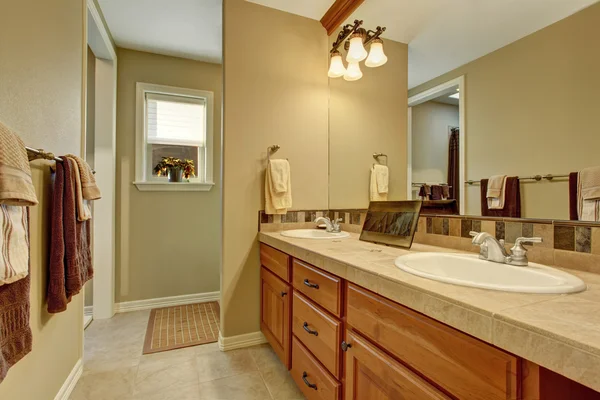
97,36
431,94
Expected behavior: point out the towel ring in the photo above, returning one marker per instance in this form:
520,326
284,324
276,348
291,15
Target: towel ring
376,156
272,150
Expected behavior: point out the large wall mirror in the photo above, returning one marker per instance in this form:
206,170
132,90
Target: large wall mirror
518,115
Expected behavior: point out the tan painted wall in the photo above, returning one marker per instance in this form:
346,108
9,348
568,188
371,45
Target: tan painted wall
531,109
41,75
276,92
172,239
90,121
365,117
430,122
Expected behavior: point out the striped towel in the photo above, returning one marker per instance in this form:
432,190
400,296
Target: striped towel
14,244
588,194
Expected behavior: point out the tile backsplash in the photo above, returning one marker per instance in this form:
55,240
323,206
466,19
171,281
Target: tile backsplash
567,244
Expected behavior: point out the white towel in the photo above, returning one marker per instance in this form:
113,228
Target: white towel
14,242
496,192
84,212
588,194
378,189
278,202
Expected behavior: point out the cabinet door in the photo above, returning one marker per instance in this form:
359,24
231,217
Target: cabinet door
275,313
372,374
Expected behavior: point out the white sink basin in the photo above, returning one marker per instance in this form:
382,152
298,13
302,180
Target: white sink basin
469,270
314,234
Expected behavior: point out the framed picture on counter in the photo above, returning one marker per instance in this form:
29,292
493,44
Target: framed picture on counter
392,223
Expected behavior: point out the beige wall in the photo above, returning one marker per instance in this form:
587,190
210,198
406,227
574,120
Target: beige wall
365,117
167,242
276,92
41,70
531,109
90,121
430,127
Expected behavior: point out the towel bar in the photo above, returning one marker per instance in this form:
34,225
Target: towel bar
40,154
537,178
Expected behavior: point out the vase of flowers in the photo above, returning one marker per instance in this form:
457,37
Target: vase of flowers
175,169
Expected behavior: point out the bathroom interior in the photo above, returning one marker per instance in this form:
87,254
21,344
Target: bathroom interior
274,200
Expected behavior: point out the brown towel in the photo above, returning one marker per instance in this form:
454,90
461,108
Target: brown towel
15,333
88,181
16,186
437,192
445,192
425,192
573,211
512,200
70,254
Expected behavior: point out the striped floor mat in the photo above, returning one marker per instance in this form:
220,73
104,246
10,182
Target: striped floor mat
182,326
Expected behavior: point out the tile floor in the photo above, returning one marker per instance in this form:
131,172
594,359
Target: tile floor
114,368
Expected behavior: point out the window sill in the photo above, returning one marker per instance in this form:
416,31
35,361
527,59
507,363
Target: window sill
174,186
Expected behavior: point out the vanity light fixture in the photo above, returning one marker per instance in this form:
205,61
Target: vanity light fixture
455,95
355,39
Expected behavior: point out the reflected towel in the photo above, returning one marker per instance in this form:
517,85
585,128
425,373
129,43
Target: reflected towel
277,202
588,194
425,192
382,176
512,199
374,194
496,192
14,242
16,186
437,192
573,199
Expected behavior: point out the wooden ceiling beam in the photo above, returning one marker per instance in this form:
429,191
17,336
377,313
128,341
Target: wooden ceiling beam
339,11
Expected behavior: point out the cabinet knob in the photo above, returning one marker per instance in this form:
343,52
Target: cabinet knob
346,346
283,294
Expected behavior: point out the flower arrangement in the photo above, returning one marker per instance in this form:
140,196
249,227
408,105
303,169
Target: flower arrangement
173,167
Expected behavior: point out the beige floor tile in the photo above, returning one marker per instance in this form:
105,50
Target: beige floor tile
113,385
216,365
183,392
248,386
280,384
166,371
264,357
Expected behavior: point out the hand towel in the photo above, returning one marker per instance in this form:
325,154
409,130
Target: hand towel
280,175
382,177
15,333
70,252
573,198
83,210
14,244
425,192
277,203
374,194
512,199
445,192
88,182
16,186
496,192
588,194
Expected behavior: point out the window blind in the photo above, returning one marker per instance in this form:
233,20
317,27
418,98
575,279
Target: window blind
175,120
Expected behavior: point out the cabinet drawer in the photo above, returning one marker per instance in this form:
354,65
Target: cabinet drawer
275,314
372,374
323,288
276,261
312,379
318,331
463,366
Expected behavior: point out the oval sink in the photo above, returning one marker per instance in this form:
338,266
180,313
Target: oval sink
469,270
314,234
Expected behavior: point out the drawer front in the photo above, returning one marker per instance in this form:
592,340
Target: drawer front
321,287
313,380
372,374
318,331
463,366
276,261
275,314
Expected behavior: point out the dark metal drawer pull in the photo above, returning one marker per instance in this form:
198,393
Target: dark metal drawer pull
307,329
310,385
312,285
283,294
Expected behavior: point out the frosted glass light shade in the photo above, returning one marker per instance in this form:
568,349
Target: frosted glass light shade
336,66
376,56
356,52
353,72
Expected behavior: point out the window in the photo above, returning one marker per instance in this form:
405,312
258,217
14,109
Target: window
173,122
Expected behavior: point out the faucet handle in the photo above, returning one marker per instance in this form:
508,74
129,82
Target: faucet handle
473,233
522,240
519,252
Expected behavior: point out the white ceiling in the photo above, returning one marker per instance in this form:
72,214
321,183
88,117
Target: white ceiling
445,34
180,28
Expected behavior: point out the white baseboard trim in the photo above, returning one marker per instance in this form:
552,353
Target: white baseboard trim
65,391
241,341
138,305
88,310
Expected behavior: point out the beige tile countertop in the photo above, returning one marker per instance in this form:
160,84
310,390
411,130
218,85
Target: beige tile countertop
559,332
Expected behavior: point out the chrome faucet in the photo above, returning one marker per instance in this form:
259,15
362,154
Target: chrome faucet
332,226
492,249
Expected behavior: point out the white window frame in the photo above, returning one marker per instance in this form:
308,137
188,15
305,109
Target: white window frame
147,183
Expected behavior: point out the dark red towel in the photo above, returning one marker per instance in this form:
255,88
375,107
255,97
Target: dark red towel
512,199
15,333
573,211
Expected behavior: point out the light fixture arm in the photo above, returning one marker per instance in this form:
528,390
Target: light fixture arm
346,31
372,35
